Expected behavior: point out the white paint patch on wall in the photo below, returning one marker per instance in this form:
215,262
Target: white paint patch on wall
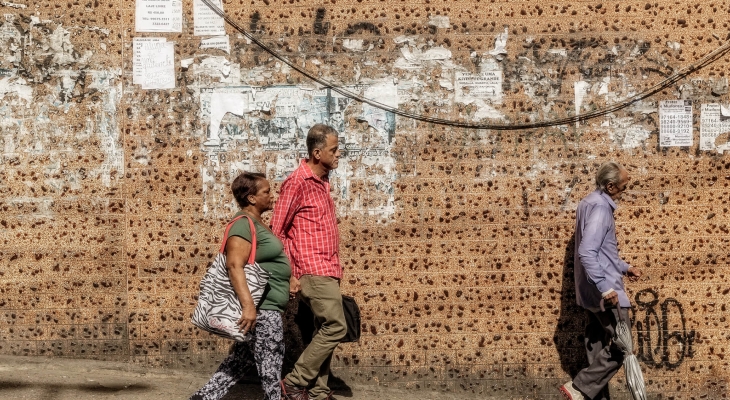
18,87
59,44
14,5
413,58
486,111
108,130
353,44
581,88
624,131
560,52
440,21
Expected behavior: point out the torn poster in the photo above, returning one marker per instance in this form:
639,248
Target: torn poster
675,123
379,119
206,21
138,44
220,102
217,42
581,89
500,45
712,124
158,16
264,129
157,63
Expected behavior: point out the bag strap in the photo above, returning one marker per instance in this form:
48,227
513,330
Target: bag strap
252,255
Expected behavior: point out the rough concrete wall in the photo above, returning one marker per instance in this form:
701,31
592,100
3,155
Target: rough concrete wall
456,242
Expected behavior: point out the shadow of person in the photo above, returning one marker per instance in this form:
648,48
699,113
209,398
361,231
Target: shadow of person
298,331
568,336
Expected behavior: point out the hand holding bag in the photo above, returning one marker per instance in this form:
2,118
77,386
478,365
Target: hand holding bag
218,307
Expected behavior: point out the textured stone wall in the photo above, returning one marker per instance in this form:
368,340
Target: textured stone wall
456,241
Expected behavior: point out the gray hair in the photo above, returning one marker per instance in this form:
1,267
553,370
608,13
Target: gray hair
609,172
317,137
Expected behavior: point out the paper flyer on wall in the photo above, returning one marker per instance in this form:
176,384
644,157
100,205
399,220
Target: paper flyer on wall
675,123
137,50
217,42
712,125
158,16
484,85
206,21
154,63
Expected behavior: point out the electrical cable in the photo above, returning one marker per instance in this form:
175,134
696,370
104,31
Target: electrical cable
675,77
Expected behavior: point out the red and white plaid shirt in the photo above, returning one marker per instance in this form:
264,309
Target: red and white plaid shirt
304,219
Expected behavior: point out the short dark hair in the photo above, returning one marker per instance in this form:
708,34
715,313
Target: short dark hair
317,137
245,185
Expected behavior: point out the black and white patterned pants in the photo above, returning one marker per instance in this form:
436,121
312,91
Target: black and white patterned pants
267,350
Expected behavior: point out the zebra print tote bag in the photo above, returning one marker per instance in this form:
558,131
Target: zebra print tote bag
218,307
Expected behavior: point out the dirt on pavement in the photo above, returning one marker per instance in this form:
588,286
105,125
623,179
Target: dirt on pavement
41,378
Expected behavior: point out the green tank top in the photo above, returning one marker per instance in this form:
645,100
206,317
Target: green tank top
271,257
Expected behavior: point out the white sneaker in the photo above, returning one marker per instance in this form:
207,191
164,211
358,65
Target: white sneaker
570,392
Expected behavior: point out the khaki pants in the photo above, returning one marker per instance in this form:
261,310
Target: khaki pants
322,295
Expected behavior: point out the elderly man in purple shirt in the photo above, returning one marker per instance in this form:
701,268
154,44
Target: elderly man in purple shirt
599,283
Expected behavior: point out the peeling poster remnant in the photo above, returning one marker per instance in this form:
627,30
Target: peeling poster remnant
40,120
264,129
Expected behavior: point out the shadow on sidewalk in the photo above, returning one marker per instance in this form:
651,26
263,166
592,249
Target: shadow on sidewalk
298,331
54,390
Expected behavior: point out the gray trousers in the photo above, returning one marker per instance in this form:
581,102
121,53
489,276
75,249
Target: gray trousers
604,358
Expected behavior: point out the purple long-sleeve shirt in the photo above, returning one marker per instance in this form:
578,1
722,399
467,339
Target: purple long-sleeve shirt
598,267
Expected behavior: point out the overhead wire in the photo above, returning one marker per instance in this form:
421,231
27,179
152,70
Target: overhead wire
670,80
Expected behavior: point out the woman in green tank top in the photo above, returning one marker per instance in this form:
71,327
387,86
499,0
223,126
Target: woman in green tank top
253,194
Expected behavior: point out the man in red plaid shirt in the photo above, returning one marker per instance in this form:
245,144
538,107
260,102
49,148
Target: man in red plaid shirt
304,219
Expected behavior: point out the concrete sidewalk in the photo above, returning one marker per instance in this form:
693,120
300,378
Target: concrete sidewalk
40,378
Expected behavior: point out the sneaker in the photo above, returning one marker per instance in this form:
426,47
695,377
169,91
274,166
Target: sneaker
291,392
570,392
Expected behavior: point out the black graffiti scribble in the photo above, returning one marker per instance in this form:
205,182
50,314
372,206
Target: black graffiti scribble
365,27
654,337
321,27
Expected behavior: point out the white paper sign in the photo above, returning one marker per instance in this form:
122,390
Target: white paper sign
158,16
218,42
484,85
137,44
207,22
675,123
156,65
712,125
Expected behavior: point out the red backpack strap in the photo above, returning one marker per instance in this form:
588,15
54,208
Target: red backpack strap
252,255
